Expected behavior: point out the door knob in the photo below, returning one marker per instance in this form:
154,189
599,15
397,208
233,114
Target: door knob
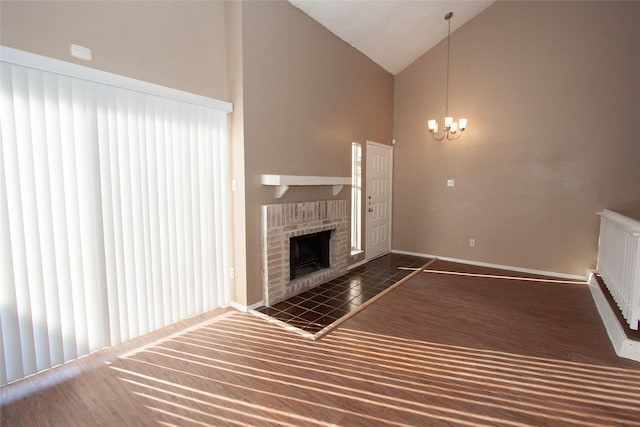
370,209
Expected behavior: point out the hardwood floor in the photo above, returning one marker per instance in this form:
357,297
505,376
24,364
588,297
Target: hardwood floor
439,350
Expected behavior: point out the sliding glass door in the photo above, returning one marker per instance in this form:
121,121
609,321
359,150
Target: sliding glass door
113,215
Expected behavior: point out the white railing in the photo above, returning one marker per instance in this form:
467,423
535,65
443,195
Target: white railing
619,262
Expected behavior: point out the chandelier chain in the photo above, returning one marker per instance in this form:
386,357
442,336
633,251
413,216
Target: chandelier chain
448,56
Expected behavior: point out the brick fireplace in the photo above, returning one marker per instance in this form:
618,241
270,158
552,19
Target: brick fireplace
282,222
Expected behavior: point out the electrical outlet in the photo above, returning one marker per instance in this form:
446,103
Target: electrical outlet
472,242
451,183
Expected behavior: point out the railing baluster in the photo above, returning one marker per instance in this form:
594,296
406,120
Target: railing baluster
619,262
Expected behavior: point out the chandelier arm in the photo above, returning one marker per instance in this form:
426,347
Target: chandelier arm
436,137
454,136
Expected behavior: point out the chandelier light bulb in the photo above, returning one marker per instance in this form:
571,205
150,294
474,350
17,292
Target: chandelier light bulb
448,121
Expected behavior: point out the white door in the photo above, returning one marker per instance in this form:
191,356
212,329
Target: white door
378,199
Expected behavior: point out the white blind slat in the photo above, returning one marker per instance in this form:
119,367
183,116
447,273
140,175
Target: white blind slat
72,213
116,132
181,294
187,135
12,366
14,185
83,112
153,214
47,273
110,270
172,198
144,212
62,277
163,220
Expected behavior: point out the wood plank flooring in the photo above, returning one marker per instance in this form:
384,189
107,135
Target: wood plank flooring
439,350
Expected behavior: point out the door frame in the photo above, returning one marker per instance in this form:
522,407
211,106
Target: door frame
367,250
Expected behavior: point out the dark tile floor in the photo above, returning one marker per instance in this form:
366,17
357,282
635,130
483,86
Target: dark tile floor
317,308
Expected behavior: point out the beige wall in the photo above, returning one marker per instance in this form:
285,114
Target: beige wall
172,43
307,97
551,91
235,78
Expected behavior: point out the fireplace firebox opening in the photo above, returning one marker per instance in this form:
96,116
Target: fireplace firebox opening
308,253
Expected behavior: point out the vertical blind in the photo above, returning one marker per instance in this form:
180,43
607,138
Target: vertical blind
113,216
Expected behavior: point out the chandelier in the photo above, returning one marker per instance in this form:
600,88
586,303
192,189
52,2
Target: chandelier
452,130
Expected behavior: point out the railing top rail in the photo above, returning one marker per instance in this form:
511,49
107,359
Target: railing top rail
628,224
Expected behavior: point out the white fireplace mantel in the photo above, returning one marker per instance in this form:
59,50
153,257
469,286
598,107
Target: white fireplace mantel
283,182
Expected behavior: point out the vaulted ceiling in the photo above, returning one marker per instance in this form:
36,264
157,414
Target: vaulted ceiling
393,33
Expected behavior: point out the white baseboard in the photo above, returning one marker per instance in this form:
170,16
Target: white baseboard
499,266
245,308
623,346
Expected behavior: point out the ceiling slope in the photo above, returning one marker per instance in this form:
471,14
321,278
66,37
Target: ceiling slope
392,33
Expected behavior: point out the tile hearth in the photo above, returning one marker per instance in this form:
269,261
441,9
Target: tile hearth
316,309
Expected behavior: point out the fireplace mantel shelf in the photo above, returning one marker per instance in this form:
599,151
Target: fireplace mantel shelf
283,182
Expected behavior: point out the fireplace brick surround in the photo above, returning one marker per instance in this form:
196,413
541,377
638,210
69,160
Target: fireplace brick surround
281,222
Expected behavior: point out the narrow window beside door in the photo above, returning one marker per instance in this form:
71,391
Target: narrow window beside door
356,197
